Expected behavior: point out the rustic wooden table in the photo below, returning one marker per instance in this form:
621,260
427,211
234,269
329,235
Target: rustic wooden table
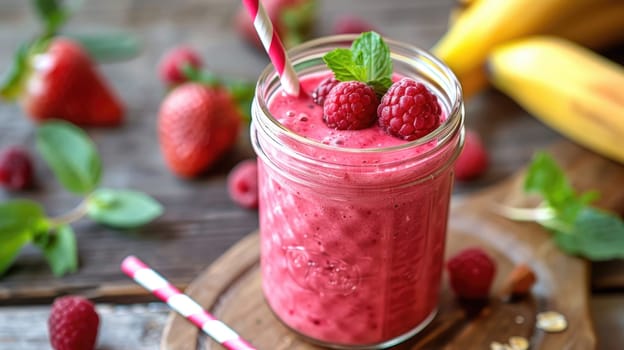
200,222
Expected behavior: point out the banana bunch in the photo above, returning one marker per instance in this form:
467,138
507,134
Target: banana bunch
570,88
538,53
477,26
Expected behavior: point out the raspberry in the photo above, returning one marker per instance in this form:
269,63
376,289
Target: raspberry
243,184
473,159
351,25
73,324
170,66
409,110
320,93
16,171
471,273
350,105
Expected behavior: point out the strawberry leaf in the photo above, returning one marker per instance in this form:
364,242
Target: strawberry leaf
14,80
243,93
122,208
19,215
11,246
18,220
72,156
52,13
108,47
60,250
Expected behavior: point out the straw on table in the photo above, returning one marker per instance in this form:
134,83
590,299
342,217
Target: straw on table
273,46
183,304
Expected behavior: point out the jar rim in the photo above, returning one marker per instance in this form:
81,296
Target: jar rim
455,113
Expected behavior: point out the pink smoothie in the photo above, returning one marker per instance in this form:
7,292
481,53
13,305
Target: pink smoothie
351,255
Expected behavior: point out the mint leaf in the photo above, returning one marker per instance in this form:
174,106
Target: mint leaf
341,62
122,208
596,235
60,251
381,85
72,156
19,215
108,47
546,178
578,228
373,54
10,246
367,61
52,13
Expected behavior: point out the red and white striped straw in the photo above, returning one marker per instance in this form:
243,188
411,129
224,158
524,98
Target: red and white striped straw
273,46
183,304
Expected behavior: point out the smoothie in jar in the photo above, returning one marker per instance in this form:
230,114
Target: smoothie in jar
353,222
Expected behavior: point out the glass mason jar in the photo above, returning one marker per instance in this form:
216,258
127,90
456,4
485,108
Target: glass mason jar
352,240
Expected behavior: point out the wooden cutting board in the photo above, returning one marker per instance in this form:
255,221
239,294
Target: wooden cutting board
230,287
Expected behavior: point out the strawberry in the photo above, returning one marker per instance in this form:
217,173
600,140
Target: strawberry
73,324
173,61
292,19
58,80
196,125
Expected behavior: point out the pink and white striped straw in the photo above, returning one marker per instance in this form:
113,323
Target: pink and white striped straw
273,46
183,304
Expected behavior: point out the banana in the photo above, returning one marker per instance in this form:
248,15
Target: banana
568,87
458,9
599,27
602,26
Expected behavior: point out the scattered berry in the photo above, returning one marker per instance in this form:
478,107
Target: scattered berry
16,170
73,324
196,125
351,25
170,66
473,159
292,19
243,184
471,273
409,110
64,84
320,93
350,105
520,280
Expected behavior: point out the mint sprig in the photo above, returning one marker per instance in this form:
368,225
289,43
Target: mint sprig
368,60
578,228
76,164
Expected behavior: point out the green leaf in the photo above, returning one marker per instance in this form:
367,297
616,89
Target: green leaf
108,47
18,216
546,178
122,208
72,156
10,246
381,85
596,235
52,13
373,54
13,81
60,251
243,93
341,62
